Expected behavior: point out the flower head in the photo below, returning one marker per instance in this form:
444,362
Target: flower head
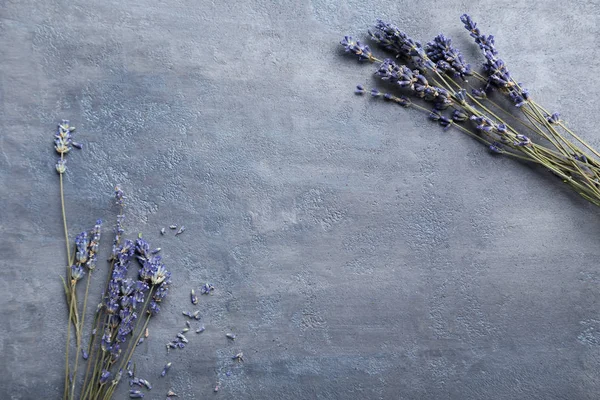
77,272
357,48
82,242
104,376
447,58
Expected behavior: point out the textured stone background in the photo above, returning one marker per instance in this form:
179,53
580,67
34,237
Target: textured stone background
358,251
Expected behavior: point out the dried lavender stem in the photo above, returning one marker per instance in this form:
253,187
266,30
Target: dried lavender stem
64,215
66,392
87,288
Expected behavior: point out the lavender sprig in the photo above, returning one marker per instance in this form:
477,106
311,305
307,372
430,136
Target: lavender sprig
357,48
447,58
498,74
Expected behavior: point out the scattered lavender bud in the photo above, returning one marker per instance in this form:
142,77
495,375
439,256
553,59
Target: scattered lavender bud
140,341
184,330
134,381
207,288
188,324
180,231
196,315
230,336
180,345
135,394
359,89
201,329
165,369
182,337
84,354
156,250
188,314
171,393
172,226
239,357
193,297
162,231
228,373
145,383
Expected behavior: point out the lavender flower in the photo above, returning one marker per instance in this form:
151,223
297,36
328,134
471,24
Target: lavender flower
447,58
136,394
495,148
554,118
415,82
77,272
93,245
359,89
357,48
63,140
165,369
391,38
82,243
104,376
444,121
498,74
61,166
63,143
207,288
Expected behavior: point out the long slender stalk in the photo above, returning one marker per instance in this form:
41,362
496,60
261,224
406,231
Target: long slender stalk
83,310
66,392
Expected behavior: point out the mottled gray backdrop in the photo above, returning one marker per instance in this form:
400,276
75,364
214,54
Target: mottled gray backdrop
358,251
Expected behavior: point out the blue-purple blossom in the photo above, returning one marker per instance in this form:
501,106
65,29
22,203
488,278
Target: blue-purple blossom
136,394
104,376
357,48
63,143
391,38
165,369
82,242
498,74
77,272
61,166
495,147
459,116
63,140
414,81
359,89
447,58
554,118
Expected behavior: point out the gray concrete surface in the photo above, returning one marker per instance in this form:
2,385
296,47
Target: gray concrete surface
357,250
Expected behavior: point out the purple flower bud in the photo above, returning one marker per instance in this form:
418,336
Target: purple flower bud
165,369
135,394
104,376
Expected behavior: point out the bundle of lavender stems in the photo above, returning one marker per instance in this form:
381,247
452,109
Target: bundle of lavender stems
461,98
130,298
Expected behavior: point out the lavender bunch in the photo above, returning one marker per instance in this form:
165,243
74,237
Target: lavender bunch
127,306
437,75
128,301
